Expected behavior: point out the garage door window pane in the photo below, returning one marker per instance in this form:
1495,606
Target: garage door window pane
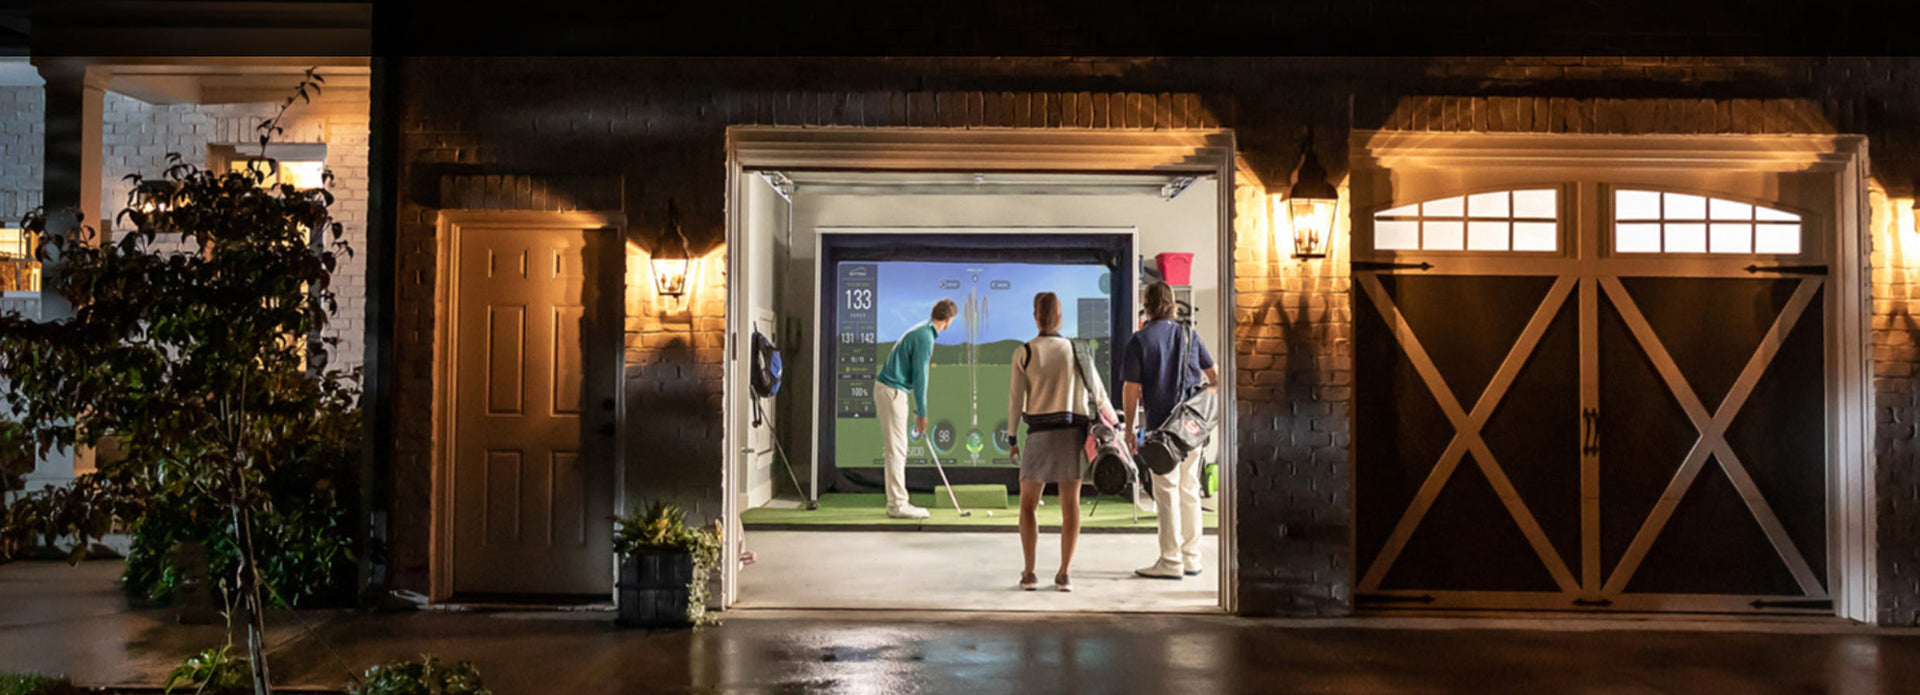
1730,238
1488,205
1396,235
1441,235
1486,236
1777,238
1535,236
1637,238
1444,207
1686,238
1636,205
1540,204
1680,206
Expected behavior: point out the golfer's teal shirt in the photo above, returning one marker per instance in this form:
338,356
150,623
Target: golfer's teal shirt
906,367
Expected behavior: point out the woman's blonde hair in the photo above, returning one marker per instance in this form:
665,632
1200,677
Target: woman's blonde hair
1046,312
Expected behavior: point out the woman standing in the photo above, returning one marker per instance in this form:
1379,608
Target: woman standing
1047,394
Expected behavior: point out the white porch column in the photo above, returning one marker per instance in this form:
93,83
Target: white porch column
76,92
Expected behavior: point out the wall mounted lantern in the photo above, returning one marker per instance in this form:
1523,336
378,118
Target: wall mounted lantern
1310,207
671,260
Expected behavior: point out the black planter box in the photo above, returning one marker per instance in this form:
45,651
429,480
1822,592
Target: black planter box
652,591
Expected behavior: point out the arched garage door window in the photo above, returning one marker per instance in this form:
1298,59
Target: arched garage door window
1513,220
1648,221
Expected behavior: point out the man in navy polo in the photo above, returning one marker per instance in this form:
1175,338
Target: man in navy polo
1153,375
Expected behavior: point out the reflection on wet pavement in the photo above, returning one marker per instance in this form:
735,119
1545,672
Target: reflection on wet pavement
59,619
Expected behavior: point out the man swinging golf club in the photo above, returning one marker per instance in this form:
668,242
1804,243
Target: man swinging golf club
905,372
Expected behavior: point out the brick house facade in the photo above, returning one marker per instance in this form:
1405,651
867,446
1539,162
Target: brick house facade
595,134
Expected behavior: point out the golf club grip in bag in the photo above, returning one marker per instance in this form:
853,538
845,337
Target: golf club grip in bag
1187,428
1109,467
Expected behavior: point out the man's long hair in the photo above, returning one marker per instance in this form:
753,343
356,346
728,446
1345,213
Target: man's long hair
1160,304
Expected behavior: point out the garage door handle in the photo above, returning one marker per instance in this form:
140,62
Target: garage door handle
1591,439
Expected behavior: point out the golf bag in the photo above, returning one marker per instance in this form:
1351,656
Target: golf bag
1188,427
765,378
1109,467
766,371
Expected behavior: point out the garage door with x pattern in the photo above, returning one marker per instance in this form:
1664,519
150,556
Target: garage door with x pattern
1624,414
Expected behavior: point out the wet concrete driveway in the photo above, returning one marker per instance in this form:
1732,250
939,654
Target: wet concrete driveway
59,619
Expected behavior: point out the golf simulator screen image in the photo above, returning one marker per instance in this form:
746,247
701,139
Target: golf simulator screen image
875,302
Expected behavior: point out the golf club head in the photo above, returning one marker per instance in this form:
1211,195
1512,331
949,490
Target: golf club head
966,512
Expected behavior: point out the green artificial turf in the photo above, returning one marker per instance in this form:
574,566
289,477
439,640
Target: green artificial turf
869,509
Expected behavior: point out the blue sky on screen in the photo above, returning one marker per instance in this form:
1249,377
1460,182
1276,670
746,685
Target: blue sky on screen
908,289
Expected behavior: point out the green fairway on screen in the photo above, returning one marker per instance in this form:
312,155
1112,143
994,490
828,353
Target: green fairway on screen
878,301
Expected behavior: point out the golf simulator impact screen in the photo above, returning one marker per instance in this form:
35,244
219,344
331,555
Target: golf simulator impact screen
876,301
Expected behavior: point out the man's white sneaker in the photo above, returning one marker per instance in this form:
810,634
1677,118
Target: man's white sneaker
908,512
1160,571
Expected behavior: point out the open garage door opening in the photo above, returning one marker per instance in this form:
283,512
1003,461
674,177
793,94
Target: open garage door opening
835,268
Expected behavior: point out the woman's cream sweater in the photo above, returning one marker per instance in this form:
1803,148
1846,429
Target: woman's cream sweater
1045,390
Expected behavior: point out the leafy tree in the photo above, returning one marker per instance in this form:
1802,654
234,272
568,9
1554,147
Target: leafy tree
193,340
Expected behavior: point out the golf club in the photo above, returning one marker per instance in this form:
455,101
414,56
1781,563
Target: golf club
787,463
943,481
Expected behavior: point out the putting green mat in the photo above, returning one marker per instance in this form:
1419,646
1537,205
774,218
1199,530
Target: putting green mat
870,509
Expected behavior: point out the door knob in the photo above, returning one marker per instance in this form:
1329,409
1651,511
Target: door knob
606,404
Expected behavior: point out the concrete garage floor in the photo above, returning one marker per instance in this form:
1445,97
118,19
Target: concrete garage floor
964,571
60,619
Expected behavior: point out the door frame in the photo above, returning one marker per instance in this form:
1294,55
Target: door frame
1376,154
448,230
1197,151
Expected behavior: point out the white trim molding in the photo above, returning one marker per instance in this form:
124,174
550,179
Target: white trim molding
784,148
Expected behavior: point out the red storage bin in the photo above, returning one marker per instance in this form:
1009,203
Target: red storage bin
1175,267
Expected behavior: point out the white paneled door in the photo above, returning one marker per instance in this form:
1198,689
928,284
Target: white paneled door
531,486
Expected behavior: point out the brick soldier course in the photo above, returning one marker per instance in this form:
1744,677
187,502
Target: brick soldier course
597,134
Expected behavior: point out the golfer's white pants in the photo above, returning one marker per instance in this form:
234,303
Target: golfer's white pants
891,405
1176,497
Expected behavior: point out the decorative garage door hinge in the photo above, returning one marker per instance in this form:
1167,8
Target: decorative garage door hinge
1788,269
1382,265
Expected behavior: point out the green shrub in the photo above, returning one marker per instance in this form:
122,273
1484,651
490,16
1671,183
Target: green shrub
215,671
305,540
426,676
34,684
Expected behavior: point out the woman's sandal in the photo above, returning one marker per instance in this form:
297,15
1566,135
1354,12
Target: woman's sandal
1029,582
1060,582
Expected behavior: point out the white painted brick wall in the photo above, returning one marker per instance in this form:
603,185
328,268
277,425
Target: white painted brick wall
22,150
138,136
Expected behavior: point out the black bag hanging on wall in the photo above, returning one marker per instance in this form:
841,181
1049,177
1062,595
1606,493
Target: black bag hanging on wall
1188,427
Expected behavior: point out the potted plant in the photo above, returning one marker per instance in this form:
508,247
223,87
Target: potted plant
664,567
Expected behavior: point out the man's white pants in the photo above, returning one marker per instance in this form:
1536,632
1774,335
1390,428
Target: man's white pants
1176,497
890,404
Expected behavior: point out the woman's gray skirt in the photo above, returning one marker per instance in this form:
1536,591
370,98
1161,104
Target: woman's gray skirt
1053,456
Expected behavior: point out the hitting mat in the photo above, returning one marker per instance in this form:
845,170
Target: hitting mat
862,510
